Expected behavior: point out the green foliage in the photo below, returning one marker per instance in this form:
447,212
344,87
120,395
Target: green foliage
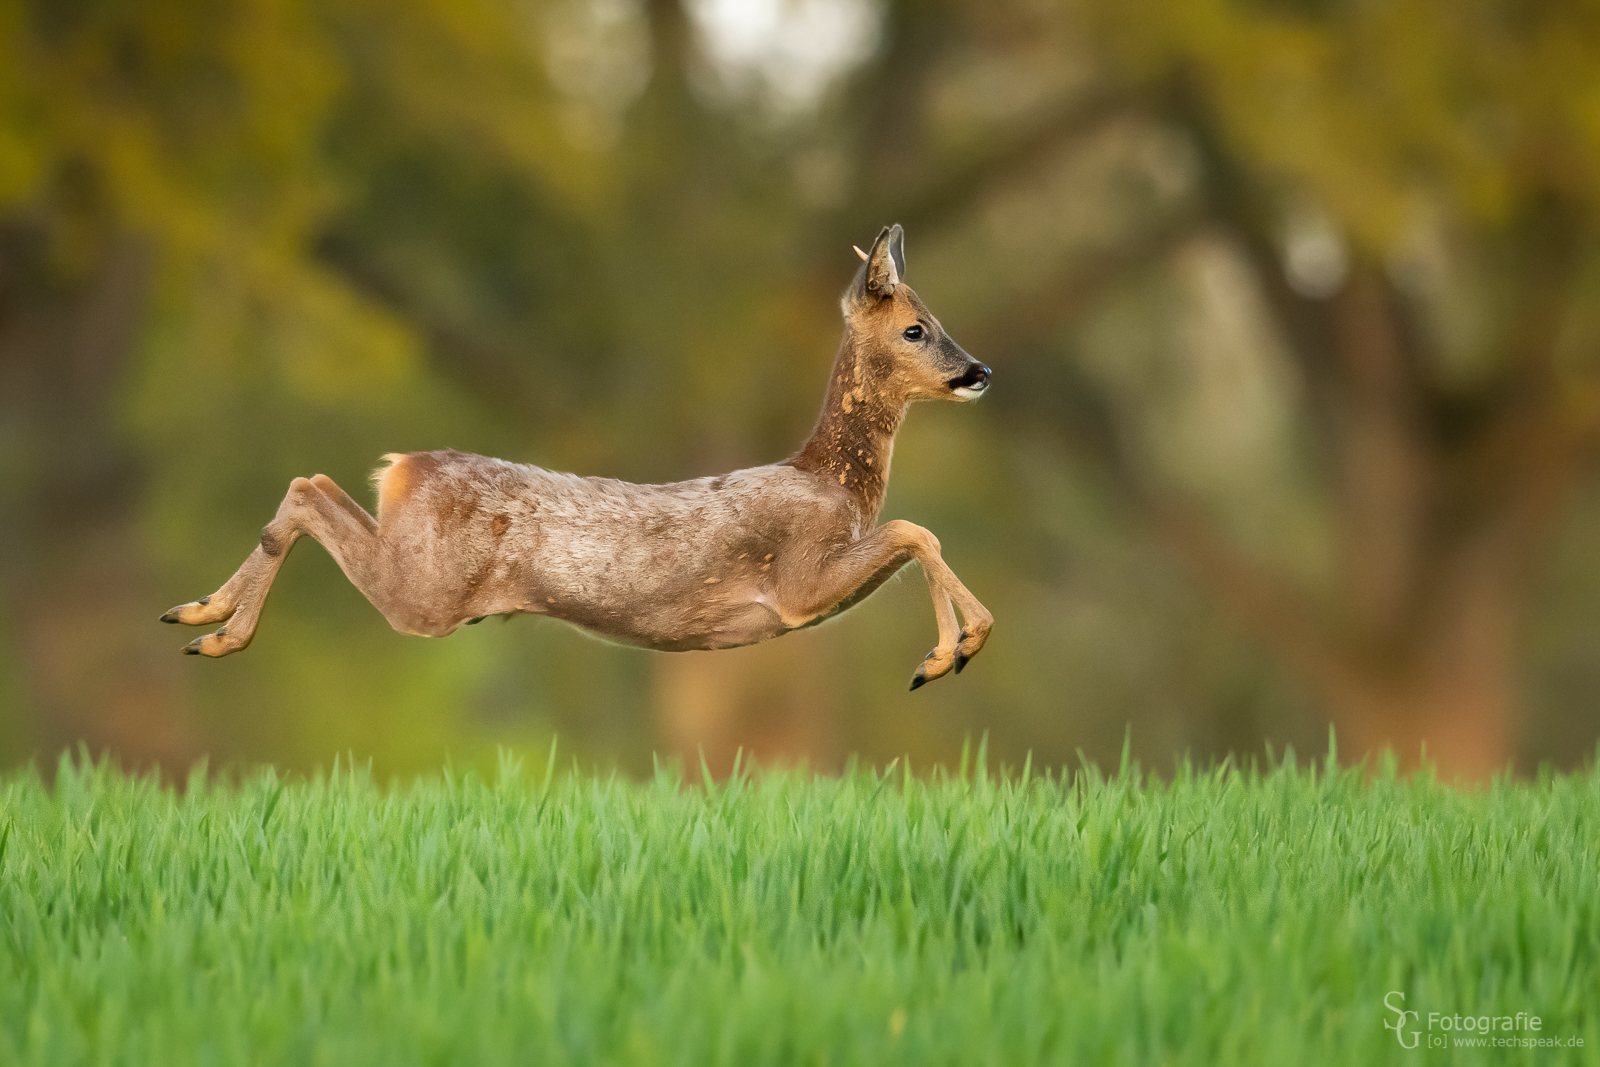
1224,916
1372,108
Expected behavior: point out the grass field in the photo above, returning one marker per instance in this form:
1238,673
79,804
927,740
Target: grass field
1214,917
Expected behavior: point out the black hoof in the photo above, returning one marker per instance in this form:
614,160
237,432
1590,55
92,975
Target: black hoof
193,647
961,661
474,622
918,681
174,615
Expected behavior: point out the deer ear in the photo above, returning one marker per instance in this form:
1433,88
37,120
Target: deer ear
876,277
883,265
897,250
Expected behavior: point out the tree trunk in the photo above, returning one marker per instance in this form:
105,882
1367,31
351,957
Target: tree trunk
1444,678
771,700
1449,696
73,579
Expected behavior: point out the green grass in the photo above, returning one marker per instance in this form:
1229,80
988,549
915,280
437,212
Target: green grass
1218,917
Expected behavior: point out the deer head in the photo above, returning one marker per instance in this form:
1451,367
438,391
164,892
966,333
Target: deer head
906,352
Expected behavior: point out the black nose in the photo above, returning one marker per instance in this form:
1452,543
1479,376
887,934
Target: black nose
976,377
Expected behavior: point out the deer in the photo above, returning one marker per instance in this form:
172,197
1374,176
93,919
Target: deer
710,563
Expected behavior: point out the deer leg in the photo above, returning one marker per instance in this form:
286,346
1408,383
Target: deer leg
949,596
976,619
870,562
315,506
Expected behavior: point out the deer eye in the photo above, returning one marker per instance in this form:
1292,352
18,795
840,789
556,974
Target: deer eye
913,333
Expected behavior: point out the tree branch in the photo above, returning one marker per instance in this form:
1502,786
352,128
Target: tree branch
958,188
1024,322
497,377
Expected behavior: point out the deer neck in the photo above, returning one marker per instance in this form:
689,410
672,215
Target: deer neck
854,437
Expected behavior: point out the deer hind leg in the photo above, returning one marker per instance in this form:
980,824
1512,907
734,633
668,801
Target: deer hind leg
315,506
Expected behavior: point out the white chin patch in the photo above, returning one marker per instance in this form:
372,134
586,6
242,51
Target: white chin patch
969,392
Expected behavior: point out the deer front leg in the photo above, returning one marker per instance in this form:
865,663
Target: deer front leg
315,506
947,588
871,561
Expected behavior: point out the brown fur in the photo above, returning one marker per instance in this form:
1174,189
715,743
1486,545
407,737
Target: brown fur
703,564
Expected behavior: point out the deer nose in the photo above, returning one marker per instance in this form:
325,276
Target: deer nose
973,381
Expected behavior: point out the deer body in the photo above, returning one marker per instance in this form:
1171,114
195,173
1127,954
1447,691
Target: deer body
692,565
711,563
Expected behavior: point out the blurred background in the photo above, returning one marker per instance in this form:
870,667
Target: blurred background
1291,305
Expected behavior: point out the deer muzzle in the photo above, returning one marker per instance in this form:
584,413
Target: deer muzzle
972,382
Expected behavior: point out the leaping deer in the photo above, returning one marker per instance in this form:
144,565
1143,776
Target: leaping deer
709,563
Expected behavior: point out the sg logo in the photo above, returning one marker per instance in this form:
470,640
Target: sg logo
1398,1026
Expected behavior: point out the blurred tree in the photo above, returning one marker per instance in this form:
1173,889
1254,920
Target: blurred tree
182,154
1407,194
1414,188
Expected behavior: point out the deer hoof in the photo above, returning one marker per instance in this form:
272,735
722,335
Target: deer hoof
969,646
961,657
193,613
935,664
214,645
